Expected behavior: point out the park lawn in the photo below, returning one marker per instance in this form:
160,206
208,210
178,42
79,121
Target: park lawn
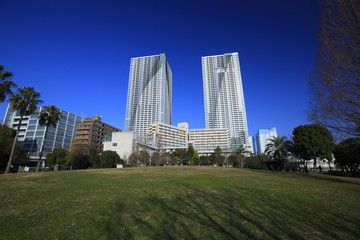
178,203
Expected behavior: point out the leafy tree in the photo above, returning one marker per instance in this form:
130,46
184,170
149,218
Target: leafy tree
256,162
277,149
189,154
240,154
133,159
178,156
6,138
25,101
164,158
312,142
77,160
109,159
347,155
335,84
5,83
49,116
204,161
57,158
217,157
195,158
144,158
155,158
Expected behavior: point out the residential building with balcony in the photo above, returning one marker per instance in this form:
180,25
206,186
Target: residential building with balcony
90,134
206,140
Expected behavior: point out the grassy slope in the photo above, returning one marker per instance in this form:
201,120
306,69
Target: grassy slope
178,203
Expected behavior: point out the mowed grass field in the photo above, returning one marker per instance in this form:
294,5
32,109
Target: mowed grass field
178,203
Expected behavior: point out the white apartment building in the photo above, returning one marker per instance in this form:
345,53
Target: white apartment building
165,136
224,102
149,94
261,138
206,140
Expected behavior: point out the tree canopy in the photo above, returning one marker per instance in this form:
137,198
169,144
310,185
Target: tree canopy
5,83
347,155
335,84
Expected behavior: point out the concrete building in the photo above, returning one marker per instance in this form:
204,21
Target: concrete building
206,140
90,134
125,143
149,94
168,137
224,102
261,138
31,134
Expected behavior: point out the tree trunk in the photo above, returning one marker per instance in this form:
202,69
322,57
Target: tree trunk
329,165
42,150
13,147
314,166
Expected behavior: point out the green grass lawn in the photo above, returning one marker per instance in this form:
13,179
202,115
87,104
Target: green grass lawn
178,203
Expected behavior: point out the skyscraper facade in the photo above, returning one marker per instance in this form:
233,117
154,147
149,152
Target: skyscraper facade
224,102
261,138
149,94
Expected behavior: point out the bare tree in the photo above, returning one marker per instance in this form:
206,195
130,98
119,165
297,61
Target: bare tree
335,84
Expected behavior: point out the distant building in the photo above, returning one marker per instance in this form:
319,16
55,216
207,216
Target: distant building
168,137
261,138
31,134
224,102
90,134
206,140
149,94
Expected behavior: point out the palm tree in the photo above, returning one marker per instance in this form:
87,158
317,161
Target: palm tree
277,148
49,116
240,153
5,83
25,101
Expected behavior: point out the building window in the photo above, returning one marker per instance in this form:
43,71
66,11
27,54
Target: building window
114,144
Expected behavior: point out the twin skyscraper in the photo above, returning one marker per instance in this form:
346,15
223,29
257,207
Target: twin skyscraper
149,97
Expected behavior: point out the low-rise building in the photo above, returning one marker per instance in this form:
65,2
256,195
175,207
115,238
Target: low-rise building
206,140
164,136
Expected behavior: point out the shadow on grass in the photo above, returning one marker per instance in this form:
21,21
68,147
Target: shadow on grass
227,214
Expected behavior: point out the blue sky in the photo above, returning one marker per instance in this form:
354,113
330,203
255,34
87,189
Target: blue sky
77,53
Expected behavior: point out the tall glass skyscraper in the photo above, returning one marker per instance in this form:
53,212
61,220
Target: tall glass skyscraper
224,102
149,94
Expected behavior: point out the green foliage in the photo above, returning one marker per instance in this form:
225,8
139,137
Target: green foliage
204,161
144,158
77,160
155,158
277,149
57,157
347,155
133,160
195,158
256,162
178,156
312,142
6,139
189,154
5,83
217,157
109,159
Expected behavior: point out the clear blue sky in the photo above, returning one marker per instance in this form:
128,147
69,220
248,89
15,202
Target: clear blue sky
77,53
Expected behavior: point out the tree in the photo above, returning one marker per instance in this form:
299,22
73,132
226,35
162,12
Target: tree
256,162
155,158
5,83
178,156
57,158
6,138
49,116
195,158
240,154
25,101
144,158
133,160
189,154
204,161
77,160
217,157
278,151
312,142
109,159
347,155
335,84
